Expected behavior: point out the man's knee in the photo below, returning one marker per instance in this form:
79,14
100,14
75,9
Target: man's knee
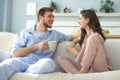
49,65
45,65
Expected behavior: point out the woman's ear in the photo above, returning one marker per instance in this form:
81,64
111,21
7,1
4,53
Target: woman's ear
87,20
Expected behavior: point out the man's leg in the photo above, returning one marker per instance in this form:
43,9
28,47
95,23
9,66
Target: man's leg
4,55
10,66
45,65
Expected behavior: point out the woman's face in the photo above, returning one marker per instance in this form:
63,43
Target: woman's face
82,22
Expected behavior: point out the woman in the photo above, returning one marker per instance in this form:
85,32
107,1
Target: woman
92,56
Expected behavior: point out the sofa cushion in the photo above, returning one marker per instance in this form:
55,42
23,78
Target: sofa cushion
109,75
6,41
113,52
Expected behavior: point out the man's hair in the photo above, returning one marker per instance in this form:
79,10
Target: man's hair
42,11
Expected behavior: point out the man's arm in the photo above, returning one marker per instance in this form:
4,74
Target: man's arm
75,37
27,50
24,51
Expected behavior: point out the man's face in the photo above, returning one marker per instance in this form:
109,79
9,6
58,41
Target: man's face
48,19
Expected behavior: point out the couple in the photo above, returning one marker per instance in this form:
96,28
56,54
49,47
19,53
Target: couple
31,48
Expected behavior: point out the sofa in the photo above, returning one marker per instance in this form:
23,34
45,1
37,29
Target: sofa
112,45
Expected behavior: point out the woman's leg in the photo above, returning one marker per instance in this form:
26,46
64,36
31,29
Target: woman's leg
68,65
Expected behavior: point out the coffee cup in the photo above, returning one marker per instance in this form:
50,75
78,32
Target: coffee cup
52,45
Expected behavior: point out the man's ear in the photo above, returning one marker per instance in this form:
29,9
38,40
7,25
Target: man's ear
40,18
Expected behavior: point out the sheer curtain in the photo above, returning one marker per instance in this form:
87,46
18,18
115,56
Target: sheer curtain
5,15
2,12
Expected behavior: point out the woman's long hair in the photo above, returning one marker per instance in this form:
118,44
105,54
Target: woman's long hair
93,23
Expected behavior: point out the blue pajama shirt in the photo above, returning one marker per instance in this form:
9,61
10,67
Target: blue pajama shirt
26,38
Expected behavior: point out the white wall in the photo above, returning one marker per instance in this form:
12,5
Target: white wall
18,17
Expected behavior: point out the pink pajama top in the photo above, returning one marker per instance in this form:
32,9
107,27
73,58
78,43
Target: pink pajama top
92,56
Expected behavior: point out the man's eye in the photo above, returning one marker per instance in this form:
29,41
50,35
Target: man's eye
51,16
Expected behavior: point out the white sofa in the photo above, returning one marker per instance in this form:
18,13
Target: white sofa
112,48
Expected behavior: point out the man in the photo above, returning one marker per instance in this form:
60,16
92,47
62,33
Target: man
30,52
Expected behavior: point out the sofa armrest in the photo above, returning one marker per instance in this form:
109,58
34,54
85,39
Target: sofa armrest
7,40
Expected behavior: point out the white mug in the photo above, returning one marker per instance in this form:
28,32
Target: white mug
52,45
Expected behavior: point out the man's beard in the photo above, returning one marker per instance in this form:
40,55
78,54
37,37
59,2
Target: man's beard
46,25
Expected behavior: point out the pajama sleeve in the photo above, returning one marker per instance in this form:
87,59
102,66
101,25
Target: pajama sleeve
90,52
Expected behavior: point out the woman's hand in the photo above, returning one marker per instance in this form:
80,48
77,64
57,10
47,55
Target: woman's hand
82,70
71,50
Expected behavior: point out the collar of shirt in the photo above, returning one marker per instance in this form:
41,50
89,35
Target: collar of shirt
32,29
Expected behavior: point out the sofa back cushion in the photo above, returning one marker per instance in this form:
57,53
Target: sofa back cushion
61,51
113,51
7,40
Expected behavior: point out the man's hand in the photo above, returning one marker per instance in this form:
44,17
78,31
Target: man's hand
42,45
75,36
76,40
